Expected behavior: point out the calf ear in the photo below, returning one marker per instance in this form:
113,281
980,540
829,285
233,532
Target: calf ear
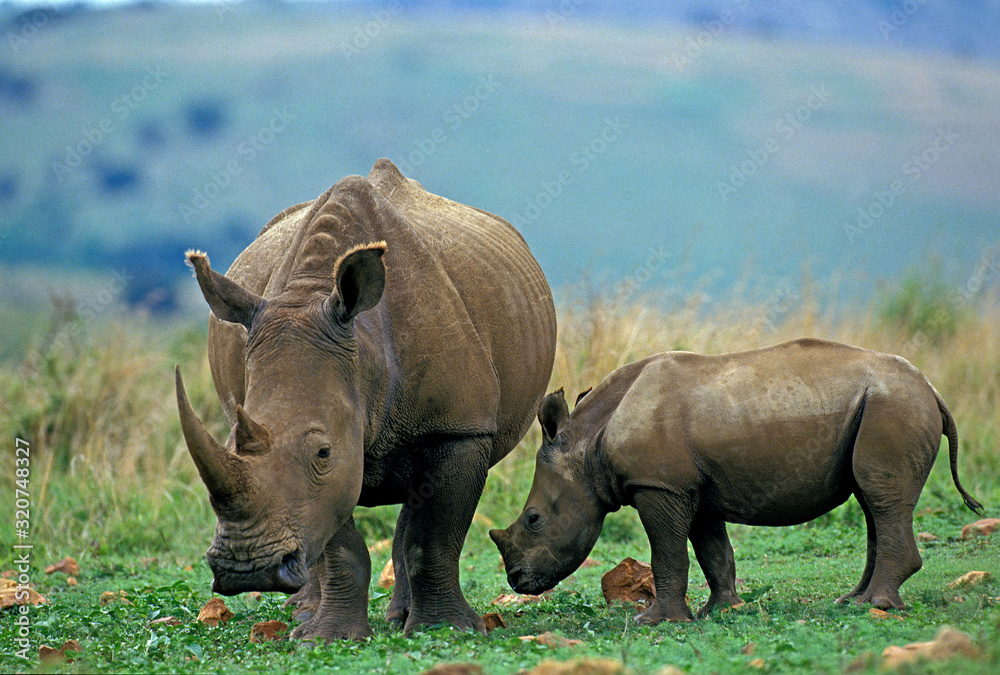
229,301
552,414
579,397
360,277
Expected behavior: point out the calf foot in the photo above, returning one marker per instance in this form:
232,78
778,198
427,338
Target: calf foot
396,616
719,601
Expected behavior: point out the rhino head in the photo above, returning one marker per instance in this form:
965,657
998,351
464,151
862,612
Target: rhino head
290,472
562,517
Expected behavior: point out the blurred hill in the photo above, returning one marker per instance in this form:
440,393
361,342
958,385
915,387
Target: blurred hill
633,145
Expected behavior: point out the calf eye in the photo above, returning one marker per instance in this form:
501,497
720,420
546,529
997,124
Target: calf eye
531,519
323,453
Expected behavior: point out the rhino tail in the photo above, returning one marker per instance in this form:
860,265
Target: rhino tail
951,432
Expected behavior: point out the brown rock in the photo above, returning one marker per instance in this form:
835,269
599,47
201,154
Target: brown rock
981,528
759,664
113,596
71,581
925,537
579,667
267,630
516,599
882,614
630,581
215,612
969,579
552,640
589,562
387,578
11,594
380,546
493,620
946,644
454,669
66,565
51,655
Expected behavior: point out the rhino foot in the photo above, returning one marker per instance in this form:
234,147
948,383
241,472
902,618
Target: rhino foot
310,631
465,619
657,613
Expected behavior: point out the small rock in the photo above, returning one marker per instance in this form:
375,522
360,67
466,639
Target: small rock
493,620
71,581
215,612
112,596
592,666
11,594
925,537
749,649
882,614
516,599
589,562
380,546
946,644
165,621
969,579
758,664
549,639
51,655
981,528
255,595
267,630
670,670
631,581
454,669
66,565
387,578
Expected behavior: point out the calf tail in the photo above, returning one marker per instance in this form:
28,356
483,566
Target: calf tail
951,432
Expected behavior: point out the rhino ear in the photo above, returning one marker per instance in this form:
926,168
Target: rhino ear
552,414
580,396
229,301
360,277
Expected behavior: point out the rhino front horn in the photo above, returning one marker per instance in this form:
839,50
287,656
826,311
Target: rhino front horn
222,472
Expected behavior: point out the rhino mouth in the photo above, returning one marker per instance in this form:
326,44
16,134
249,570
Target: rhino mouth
523,581
287,575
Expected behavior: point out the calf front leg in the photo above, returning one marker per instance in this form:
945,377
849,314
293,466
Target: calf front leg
440,515
666,517
343,607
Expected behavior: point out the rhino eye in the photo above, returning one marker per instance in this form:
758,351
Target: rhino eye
531,519
323,453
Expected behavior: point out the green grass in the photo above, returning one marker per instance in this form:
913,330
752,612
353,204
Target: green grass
112,485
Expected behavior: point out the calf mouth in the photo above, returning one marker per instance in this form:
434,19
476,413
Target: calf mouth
525,582
289,574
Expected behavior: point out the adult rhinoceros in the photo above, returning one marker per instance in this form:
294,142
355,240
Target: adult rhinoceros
377,345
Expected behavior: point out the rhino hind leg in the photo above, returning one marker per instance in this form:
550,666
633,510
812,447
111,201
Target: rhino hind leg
435,529
342,612
890,471
714,552
667,519
306,600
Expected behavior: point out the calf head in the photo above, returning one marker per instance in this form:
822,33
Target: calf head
562,516
290,472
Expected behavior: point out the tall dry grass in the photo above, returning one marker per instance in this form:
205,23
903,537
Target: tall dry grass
110,471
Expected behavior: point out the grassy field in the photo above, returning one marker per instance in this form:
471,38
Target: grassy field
111,485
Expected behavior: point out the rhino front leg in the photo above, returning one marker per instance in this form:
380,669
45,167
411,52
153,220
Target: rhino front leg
666,517
439,519
399,606
343,608
715,555
306,600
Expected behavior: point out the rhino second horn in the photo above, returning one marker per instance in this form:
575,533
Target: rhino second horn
251,438
223,473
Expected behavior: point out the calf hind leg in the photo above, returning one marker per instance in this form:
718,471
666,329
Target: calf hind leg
715,555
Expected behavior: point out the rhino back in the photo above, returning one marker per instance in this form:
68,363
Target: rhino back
754,425
463,339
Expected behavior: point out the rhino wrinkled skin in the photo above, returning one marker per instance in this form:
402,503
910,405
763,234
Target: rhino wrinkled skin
774,436
377,345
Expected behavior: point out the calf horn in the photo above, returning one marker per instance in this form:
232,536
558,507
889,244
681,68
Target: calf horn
222,472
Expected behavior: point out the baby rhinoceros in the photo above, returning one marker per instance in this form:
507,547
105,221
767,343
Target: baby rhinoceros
774,436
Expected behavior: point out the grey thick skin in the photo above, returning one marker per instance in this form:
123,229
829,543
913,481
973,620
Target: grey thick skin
774,436
377,345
